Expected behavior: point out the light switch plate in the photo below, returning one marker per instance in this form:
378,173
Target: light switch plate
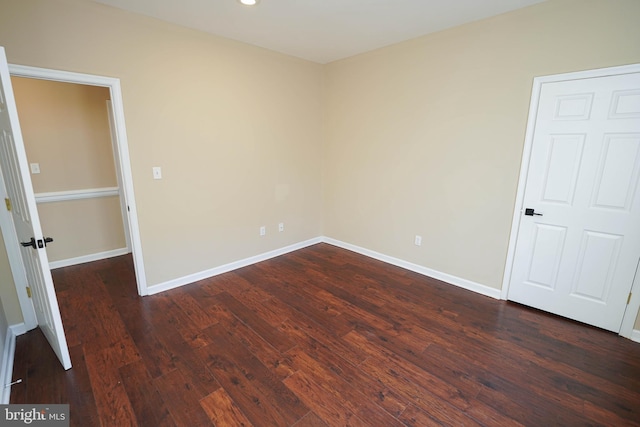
157,172
35,168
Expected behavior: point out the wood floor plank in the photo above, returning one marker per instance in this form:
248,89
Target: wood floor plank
524,406
43,368
296,297
262,379
191,334
155,355
377,391
593,412
324,403
436,413
407,378
146,402
112,401
279,363
70,328
223,411
277,339
352,398
574,395
310,420
337,287
320,337
184,357
80,396
310,335
255,298
199,318
257,406
99,323
204,291
488,416
182,401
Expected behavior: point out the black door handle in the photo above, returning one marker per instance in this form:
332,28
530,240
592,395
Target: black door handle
31,243
531,212
35,244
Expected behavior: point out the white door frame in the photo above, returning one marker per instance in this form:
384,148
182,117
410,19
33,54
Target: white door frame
124,163
626,330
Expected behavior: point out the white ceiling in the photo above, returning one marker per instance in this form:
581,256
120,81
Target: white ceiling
320,30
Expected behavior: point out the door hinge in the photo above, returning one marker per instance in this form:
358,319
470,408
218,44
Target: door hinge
28,291
7,203
629,298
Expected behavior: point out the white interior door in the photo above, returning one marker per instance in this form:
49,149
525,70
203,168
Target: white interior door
25,217
577,254
15,262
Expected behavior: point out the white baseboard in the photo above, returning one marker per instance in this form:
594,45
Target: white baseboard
88,258
19,329
181,281
448,278
6,368
635,335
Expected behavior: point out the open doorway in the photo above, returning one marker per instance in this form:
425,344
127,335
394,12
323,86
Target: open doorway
123,190
70,149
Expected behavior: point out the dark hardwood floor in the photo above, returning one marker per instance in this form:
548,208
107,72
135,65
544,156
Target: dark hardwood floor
320,337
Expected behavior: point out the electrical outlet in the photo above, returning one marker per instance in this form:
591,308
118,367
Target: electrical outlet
418,240
281,227
35,168
263,230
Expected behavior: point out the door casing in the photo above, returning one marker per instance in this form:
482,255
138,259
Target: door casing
626,330
123,166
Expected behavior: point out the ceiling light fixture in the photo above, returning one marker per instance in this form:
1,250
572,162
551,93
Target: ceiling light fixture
248,2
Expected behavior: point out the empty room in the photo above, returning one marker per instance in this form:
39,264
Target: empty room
320,213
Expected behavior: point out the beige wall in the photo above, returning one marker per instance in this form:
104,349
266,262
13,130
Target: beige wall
425,137
235,128
66,131
82,227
